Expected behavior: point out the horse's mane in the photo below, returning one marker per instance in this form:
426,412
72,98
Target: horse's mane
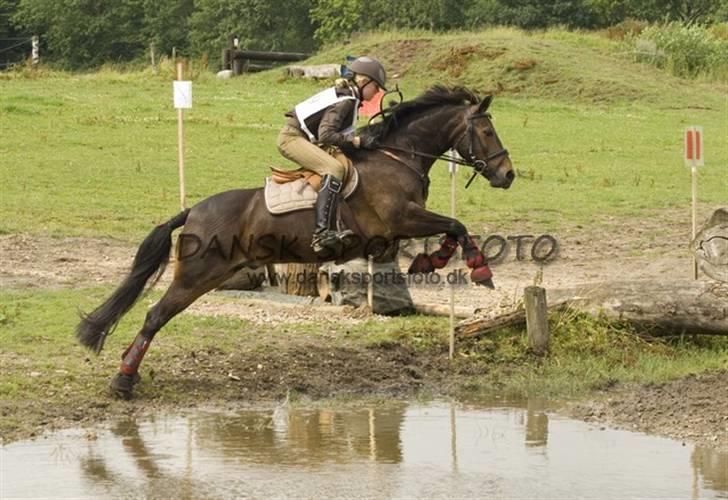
437,95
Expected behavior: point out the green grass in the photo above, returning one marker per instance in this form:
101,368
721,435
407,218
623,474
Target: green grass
587,354
95,154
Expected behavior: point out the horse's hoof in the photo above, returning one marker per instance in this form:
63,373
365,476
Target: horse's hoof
421,264
482,276
122,386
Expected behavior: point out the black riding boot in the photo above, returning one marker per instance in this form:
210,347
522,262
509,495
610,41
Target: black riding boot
326,240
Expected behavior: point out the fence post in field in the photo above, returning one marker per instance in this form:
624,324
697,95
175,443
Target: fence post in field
370,283
151,54
35,54
537,321
453,169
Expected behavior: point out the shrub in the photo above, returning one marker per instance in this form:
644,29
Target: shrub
684,50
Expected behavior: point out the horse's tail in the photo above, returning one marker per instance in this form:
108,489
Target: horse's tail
151,257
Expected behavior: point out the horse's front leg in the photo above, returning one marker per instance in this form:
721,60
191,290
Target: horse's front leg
419,223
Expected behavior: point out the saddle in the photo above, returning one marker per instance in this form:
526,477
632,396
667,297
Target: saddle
290,190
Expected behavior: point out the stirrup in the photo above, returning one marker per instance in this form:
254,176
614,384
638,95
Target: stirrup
326,243
348,238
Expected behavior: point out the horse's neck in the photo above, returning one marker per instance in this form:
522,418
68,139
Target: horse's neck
433,134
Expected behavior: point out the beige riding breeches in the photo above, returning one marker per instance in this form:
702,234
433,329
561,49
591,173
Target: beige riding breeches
295,146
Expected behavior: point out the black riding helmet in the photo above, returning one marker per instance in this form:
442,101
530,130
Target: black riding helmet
372,68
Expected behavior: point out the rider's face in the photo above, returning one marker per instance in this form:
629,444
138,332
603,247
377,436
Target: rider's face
369,89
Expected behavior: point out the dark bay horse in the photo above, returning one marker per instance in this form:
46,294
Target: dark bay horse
233,229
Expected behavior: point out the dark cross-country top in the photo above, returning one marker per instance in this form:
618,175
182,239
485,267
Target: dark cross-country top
329,125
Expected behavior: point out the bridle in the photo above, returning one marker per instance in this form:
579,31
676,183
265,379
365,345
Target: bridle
479,166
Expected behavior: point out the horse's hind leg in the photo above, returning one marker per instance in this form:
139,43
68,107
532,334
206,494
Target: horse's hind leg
175,300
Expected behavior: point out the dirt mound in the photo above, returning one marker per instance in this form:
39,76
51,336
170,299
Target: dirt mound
556,64
456,60
399,55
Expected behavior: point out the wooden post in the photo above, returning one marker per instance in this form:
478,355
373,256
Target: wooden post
453,168
151,54
537,321
35,55
370,284
181,145
694,176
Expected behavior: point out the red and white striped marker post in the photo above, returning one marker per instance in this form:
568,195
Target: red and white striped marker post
694,158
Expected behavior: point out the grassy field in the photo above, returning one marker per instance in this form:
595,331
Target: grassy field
592,135
95,154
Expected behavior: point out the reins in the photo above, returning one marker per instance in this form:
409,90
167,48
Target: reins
478,165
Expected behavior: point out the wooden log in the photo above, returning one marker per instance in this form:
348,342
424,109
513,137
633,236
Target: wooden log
301,279
440,310
710,246
537,320
319,71
479,326
657,308
269,56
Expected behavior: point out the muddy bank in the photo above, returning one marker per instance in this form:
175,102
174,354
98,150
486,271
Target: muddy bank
694,408
271,371
290,367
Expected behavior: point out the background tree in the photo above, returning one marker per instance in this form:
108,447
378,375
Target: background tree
84,33
260,25
10,52
166,23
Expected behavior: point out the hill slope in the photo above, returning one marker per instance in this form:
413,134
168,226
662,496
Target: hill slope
557,64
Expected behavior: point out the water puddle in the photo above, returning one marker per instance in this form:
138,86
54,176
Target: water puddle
397,450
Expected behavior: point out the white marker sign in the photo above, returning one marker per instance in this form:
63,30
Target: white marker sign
182,94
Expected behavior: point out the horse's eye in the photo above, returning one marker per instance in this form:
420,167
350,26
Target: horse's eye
488,131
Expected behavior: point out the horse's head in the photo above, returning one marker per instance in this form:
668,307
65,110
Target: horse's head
481,147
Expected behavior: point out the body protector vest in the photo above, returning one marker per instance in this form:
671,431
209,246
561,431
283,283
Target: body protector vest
320,101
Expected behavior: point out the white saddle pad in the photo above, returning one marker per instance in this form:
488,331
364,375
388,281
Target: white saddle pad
299,195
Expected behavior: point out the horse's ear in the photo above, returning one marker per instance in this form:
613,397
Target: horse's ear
485,103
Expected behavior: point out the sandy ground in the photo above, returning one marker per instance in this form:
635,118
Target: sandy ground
653,248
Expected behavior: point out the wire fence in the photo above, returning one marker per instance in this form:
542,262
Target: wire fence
22,41
12,53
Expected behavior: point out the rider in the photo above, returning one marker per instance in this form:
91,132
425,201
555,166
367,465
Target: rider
328,120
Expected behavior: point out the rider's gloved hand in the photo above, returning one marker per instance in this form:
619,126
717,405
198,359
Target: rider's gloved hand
367,142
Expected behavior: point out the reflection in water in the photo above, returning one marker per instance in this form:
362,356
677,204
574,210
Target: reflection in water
537,423
712,467
394,450
299,436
